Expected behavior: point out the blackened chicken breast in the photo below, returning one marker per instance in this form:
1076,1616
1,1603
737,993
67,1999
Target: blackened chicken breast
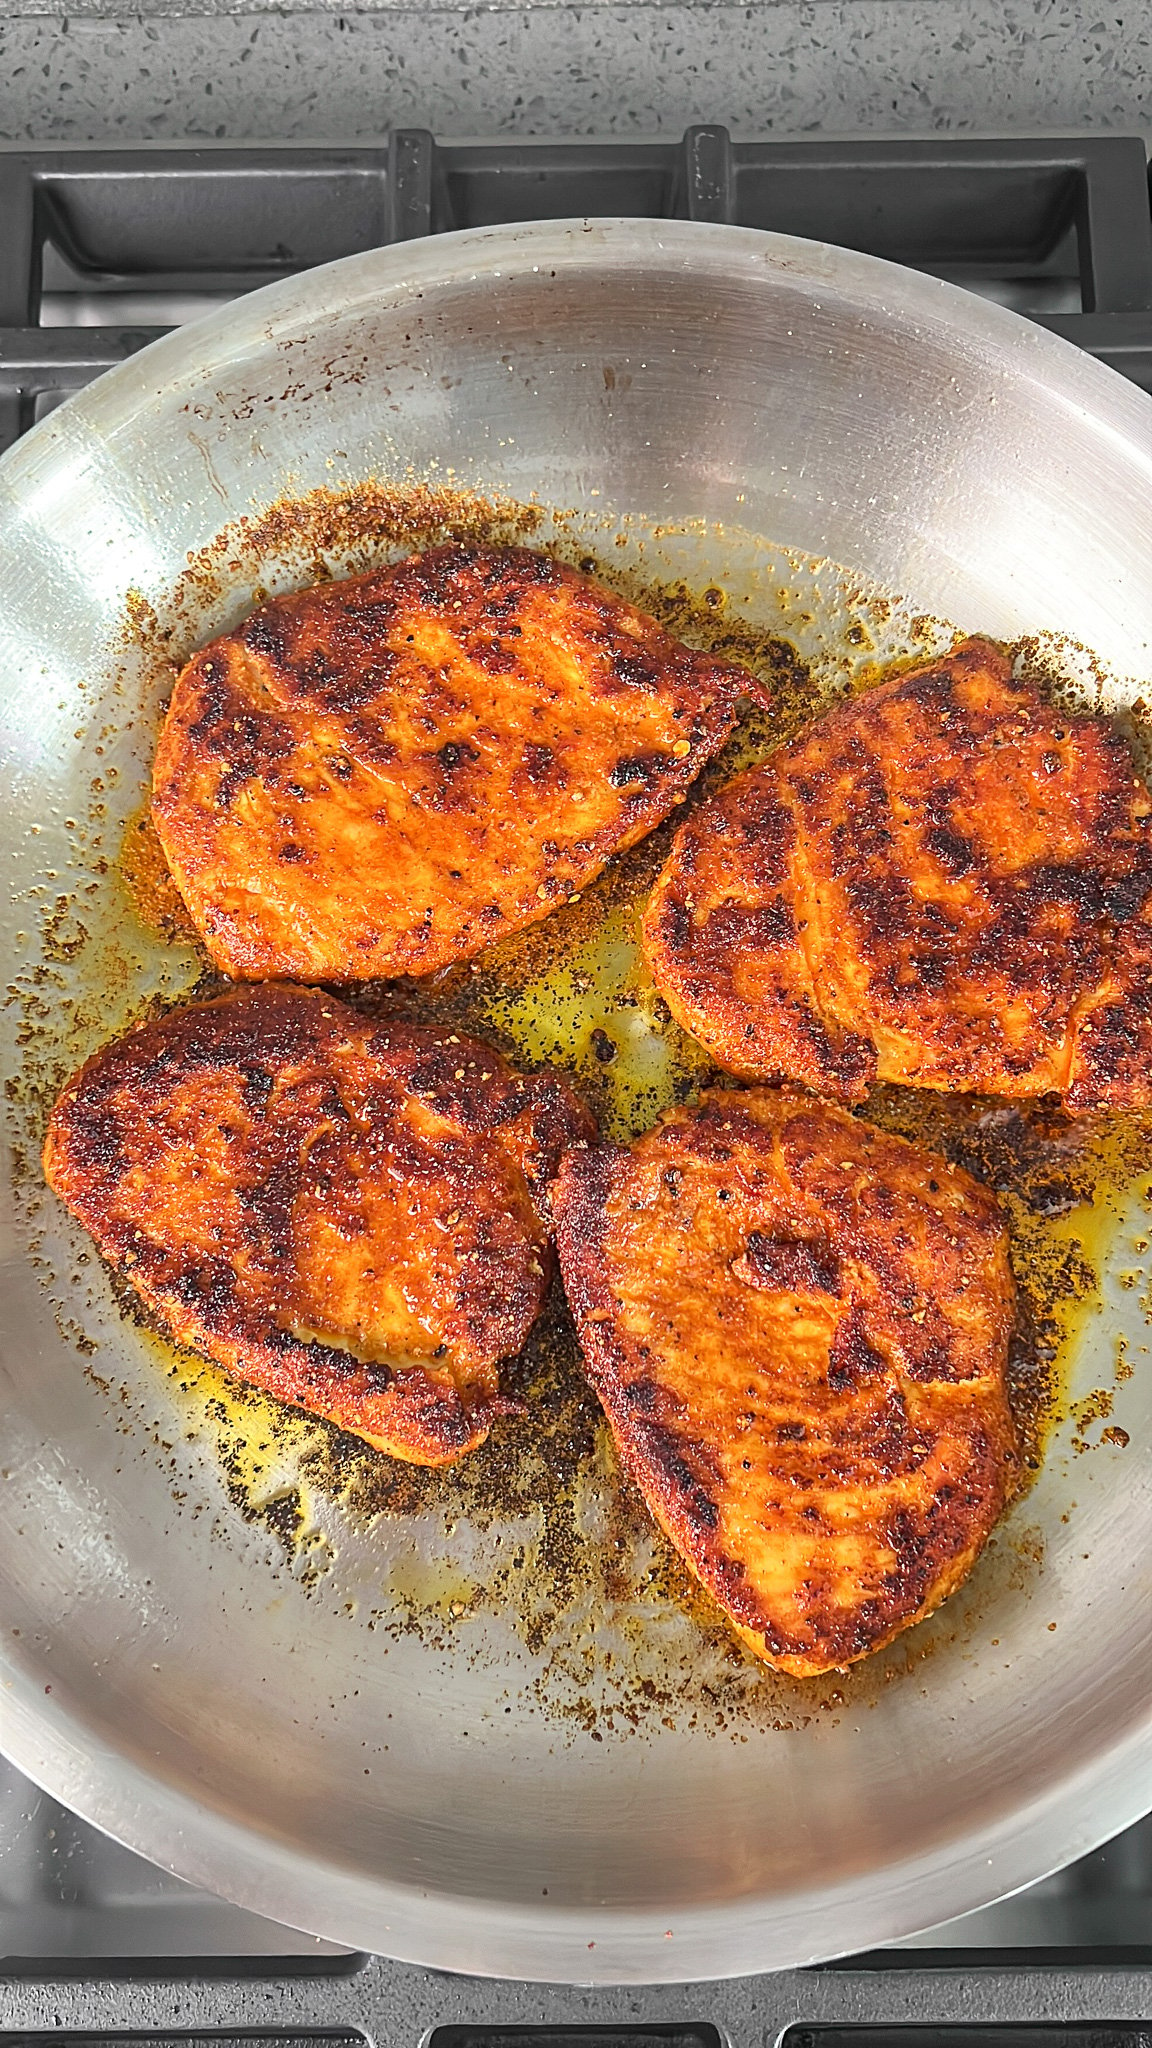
798,1326
380,776
345,1212
945,881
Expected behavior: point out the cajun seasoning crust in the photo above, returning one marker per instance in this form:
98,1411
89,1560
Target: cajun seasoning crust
380,776
346,1213
946,881
798,1326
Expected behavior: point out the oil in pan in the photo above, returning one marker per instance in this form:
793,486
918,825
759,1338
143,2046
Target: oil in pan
537,1529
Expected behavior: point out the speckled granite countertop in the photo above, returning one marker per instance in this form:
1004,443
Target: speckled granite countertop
76,71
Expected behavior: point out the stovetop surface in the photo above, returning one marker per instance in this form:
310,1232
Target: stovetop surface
100,251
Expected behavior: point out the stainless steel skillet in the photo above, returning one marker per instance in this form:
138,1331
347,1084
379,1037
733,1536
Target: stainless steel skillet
700,390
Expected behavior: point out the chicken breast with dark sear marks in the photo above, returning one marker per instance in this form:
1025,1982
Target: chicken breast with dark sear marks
945,881
798,1326
344,1212
380,776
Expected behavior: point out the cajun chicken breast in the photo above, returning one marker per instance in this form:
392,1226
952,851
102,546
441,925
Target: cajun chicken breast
798,1326
380,776
344,1212
945,881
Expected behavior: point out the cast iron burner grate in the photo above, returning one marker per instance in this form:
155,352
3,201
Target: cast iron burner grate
100,251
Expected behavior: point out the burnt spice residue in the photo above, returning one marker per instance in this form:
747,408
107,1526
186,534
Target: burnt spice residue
558,1543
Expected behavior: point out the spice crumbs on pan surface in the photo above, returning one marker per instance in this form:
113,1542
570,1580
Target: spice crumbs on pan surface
537,1527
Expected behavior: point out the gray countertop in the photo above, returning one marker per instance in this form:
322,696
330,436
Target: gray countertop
81,73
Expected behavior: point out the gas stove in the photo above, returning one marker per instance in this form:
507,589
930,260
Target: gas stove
102,250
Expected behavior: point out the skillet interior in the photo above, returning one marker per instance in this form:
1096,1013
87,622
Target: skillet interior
268,1723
